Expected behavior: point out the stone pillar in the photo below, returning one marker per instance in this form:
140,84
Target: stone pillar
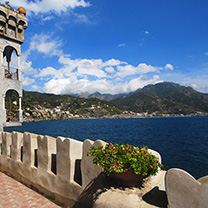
2,71
20,109
1,125
19,73
1,58
2,112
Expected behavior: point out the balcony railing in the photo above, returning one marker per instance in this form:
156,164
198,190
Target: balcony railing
11,73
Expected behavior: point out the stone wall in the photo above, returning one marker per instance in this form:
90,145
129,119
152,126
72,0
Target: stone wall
58,168
50,165
44,163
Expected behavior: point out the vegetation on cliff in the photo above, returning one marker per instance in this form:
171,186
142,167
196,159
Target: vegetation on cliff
162,99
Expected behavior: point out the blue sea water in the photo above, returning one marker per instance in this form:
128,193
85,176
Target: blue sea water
182,142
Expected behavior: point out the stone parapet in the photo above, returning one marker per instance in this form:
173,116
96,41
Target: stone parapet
59,168
43,162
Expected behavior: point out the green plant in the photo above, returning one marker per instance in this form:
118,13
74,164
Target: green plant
120,158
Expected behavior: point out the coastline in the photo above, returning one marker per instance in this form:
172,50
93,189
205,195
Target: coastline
113,117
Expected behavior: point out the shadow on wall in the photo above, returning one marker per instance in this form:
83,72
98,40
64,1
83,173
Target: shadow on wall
156,197
103,183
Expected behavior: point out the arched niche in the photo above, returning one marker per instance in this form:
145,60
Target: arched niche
10,62
12,22
12,105
2,22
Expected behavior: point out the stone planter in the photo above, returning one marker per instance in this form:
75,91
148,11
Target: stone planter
127,178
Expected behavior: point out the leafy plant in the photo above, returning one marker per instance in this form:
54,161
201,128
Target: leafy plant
120,158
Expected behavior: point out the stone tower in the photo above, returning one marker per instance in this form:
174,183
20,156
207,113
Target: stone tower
12,26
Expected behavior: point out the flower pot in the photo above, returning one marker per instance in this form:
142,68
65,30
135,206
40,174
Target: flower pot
127,178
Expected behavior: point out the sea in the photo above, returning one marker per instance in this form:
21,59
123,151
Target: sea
181,141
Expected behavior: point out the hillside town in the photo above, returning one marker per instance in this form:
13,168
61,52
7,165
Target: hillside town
57,113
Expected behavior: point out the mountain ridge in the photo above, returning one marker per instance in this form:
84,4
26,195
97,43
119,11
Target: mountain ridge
161,99
165,97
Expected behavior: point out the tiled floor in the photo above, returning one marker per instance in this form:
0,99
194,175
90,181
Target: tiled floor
13,194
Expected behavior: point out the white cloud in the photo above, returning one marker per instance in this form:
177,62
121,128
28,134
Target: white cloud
169,66
114,62
146,32
50,71
36,88
45,6
142,68
81,18
206,54
75,85
46,45
110,69
121,45
26,65
27,81
84,75
140,82
195,86
47,18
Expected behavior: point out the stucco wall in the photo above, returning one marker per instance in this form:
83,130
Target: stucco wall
59,168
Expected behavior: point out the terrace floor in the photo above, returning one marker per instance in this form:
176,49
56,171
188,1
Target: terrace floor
14,194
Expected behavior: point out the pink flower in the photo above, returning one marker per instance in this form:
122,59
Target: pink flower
117,165
110,144
127,145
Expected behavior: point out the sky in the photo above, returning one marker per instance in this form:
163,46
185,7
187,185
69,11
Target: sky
113,46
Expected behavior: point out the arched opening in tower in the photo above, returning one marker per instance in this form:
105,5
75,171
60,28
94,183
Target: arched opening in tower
12,106
10,63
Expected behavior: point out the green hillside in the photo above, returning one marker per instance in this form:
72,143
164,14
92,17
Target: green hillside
165,98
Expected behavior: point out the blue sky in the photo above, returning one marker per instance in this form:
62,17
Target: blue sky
74,46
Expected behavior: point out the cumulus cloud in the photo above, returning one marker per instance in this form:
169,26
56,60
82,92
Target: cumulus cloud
82,74
45,6
142,68
169,66
109,76
75,85
44,43
50,71
27,81
141,81
110,69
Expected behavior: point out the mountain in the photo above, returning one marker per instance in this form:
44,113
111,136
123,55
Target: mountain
161,99
41,106
166,98
107,97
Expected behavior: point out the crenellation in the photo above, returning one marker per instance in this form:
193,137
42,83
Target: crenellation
17,143
6,144
42,153
89,171
68,151
29,147
58,167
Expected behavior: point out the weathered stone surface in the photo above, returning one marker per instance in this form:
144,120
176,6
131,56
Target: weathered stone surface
89,170
68,151
184,191
102,192
17,143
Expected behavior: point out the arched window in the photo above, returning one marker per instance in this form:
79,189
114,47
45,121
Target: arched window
10,63
12,106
